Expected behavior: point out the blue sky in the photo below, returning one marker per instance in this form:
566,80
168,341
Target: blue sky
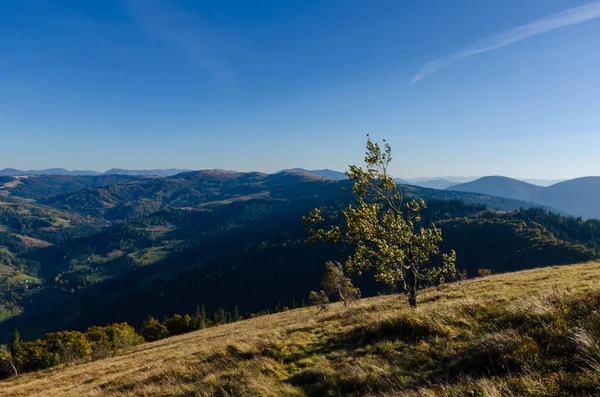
267,85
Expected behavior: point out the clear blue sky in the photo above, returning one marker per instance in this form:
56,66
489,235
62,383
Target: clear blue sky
265,85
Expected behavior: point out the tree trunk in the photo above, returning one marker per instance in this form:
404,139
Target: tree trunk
14,367
342,296
412,289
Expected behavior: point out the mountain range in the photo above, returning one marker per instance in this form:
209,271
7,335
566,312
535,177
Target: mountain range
578,197
100,249
430,182
113,171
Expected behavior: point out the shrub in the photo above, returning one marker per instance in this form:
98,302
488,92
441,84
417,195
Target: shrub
37,356
122,336
153,330
69,345
484,272
178,324
318,299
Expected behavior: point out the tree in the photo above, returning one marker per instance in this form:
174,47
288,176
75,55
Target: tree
153,330
122,336
236,316
101,345
319,299
68,345
16,349
178,324
336,284
221,316
200,320
7,361
385,233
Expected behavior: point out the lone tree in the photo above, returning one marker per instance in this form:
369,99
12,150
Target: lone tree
335,284
8,363
385,233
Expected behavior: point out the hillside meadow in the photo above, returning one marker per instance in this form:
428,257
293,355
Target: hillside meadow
531,333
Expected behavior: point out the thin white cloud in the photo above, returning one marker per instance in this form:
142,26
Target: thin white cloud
561,19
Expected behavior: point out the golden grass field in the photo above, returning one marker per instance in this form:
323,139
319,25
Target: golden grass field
299,353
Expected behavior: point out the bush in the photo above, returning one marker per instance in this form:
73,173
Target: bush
484,272
122,336
68,345
178,324
153,330
37,356
105,341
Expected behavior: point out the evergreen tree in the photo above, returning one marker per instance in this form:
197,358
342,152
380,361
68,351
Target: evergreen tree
16,349
236,315
220,316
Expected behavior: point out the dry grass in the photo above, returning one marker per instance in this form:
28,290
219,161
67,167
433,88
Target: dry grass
345,350
33,242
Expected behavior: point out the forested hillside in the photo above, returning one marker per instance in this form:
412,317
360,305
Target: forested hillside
161,246
40,187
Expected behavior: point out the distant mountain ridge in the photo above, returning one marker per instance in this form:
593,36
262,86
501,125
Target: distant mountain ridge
124,198
439,183
113,171
325,173
578,197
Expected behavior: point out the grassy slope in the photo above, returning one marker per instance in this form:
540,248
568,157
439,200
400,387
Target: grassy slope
493,329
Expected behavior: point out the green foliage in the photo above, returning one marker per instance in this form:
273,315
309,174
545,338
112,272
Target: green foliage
68,345
318,299
200,320
215,241
36,355
178,324
153,330
221,316
387,235
484,272
336,284
236,316
16,348
8,364
109,339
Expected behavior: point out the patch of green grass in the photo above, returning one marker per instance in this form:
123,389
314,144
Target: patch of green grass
150,255
25,278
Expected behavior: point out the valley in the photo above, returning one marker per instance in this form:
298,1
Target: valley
121,248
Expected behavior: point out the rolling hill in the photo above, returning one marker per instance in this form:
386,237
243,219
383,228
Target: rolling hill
434,183
325,173
578,197
40,187
226,239
154,172
518,334
250,252
499,186
120,201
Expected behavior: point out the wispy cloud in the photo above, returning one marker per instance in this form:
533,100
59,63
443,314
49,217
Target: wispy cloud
561,19
202,44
